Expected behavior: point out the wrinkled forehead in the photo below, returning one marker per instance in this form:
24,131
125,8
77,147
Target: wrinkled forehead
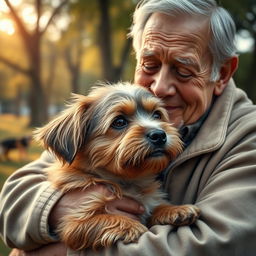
185,33
182,24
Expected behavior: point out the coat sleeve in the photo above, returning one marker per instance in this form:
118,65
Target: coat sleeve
25,202
227,225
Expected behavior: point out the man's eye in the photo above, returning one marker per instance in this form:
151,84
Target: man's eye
184,73
150,66
119,123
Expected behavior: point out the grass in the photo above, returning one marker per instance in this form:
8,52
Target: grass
11,126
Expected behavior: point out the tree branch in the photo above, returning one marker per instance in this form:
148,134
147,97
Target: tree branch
55,12
14,66
38,11
18,21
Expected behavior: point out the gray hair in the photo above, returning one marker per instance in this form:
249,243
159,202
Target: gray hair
222,44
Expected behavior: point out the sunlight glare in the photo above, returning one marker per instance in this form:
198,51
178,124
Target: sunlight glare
28,15
7,27
244,41
4,8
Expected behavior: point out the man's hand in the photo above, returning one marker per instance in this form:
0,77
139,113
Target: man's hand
124,206
55,249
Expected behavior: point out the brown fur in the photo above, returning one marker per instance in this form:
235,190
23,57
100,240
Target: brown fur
120,136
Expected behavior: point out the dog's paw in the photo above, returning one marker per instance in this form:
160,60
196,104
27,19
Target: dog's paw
101,230
177,215
121,228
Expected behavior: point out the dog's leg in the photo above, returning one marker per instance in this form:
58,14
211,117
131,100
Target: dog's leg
6,155
101,230
177,215
91,227
22,151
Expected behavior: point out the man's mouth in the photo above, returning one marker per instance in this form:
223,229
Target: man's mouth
172,108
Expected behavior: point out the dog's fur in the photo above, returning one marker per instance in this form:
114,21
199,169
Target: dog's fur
120,136
9,144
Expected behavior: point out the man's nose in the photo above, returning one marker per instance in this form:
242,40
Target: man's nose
163,84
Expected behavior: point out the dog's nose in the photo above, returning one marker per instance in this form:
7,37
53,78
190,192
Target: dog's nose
157,137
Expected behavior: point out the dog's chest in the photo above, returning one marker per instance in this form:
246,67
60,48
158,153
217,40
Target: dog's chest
145,190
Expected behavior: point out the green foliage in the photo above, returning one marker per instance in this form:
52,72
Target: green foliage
244,14
241,74
4,251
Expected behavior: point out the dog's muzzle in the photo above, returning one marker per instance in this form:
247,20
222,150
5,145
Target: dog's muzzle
157,137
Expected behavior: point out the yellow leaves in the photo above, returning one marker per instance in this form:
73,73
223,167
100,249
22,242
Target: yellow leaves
13,126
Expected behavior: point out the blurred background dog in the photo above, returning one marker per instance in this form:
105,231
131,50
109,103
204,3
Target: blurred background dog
9,144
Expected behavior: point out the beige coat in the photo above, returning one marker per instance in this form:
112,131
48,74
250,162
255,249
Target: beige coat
217,172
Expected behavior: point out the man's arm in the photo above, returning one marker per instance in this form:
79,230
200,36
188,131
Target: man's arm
30,208
25,200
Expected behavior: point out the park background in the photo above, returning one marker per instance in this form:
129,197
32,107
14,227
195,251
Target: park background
50,48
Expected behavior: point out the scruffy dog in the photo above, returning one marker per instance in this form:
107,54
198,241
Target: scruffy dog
118,135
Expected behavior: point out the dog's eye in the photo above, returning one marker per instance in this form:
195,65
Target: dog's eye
120,122
157,115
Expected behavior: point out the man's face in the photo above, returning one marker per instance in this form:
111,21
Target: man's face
175,64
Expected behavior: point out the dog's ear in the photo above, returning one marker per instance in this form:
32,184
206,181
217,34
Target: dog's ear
65,134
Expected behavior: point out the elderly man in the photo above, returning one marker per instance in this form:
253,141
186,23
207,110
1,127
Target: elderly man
186,56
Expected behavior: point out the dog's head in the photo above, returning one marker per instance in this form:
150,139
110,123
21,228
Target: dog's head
120,128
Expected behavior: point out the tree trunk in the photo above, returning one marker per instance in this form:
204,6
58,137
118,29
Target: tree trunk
51,66
105,41
31,40
74,65
18,101
118,70
75,81
38,103
110,72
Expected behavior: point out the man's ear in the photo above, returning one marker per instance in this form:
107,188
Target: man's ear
226,72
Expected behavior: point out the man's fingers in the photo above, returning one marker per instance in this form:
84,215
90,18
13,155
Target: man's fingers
56,249
17,252
125,206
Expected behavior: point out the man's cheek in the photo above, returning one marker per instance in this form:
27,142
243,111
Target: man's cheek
141,78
